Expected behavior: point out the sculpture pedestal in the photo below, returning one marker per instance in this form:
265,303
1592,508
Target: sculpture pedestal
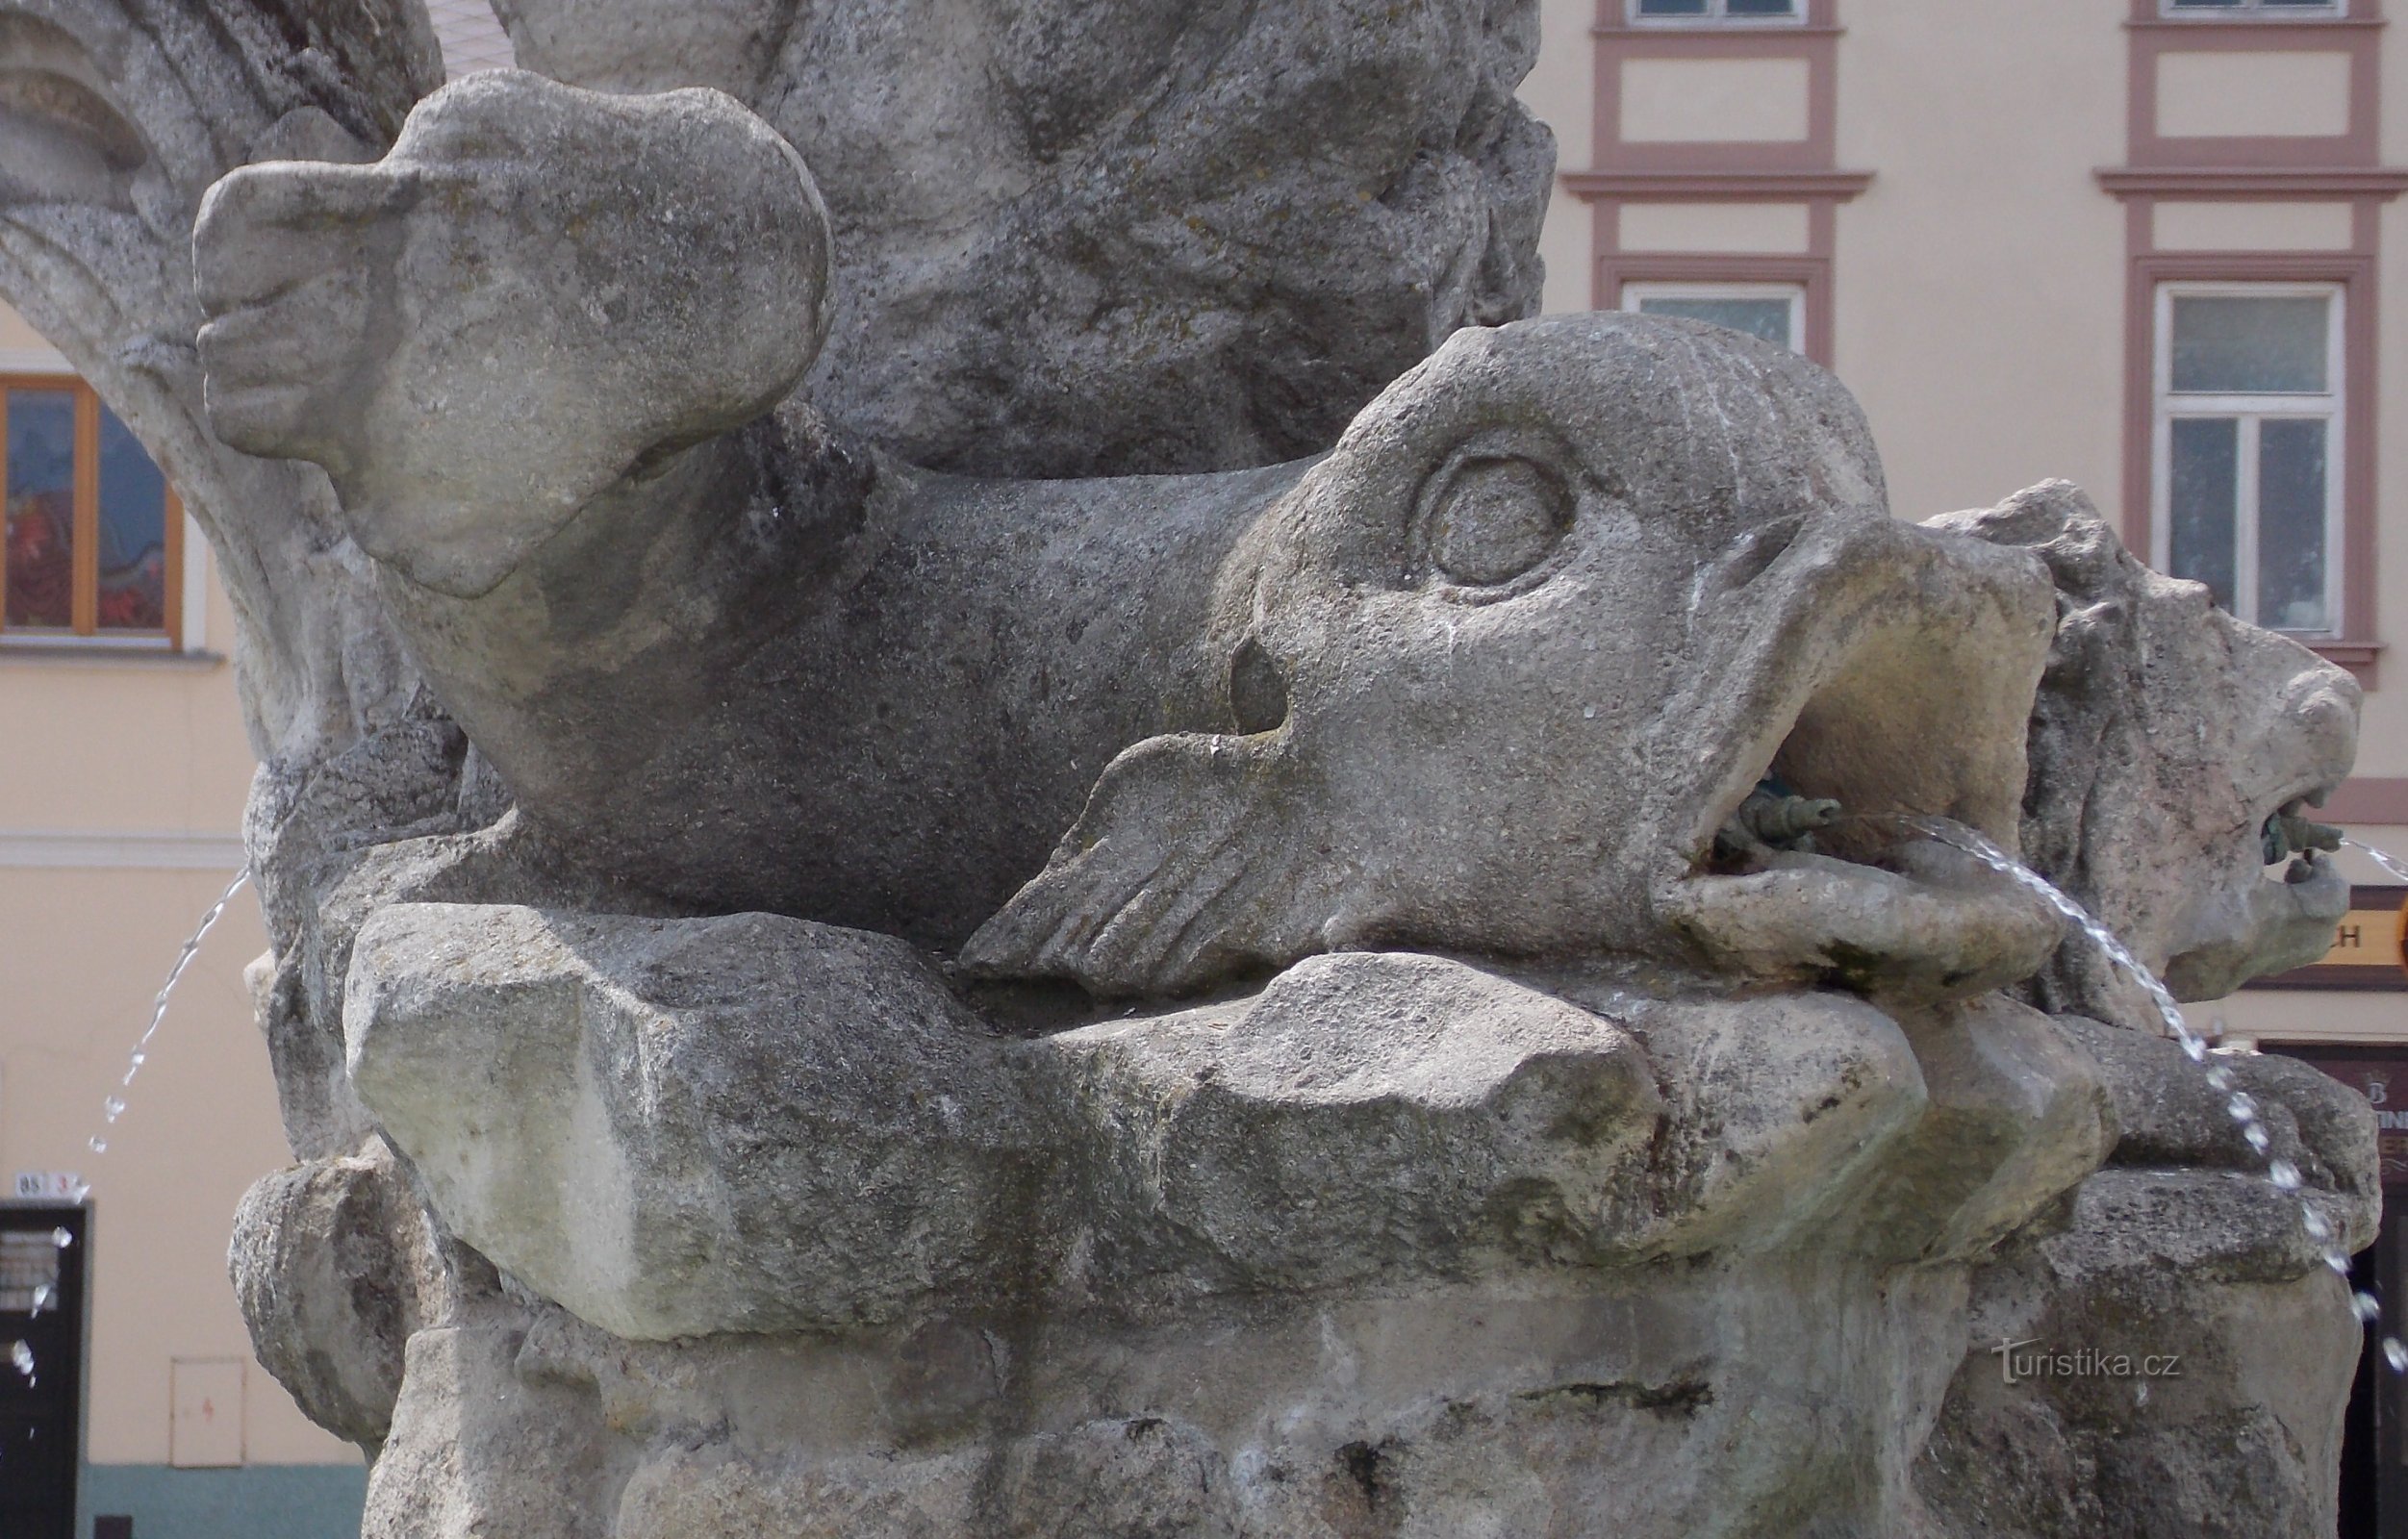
1394,1246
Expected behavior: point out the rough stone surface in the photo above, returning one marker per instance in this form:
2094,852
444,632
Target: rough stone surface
1095,240
2180,1251
2163,737
328,1292
703,814
464,298
736,1124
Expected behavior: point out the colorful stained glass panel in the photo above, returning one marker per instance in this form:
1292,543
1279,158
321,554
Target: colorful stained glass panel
41,529
133,533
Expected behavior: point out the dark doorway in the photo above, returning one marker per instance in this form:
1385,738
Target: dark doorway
2361,1461
2375,1439
43,1270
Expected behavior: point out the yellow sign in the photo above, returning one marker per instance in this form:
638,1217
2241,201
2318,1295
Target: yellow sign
2369,938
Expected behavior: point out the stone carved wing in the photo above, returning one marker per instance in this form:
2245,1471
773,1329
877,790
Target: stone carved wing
1181,871
116,117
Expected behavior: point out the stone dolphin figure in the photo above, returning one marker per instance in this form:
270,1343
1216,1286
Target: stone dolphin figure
1508,660
1488,677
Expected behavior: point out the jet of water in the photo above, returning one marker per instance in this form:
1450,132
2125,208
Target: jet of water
20,1353
2241,1107
2397,870
113,1107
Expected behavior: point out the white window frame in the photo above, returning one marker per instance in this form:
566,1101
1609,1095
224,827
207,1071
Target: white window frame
1717,14
2251,9
1637,290
2331,407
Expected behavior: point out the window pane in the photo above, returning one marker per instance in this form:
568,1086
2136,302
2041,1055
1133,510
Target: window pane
41,510
133,533
2248,346
29,1270
2205,5
2205,501
1671,7
1767,319
2291,524
1764,8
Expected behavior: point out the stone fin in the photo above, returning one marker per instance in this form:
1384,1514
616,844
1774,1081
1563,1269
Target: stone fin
1173,877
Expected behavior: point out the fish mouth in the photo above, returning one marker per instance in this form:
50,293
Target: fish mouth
1835,852
2280,917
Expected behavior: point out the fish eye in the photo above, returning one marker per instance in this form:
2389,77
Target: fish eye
1494,518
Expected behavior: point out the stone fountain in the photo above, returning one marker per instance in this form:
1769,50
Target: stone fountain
989,808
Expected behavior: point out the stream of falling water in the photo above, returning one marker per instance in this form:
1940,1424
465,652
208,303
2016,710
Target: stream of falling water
2242,1108
21,1355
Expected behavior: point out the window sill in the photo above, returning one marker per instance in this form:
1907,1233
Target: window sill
2352,655
1714,29
1693,187
82,650
2255,181
2260,19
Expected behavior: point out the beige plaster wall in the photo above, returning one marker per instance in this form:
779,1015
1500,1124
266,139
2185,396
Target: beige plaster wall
2292,95
123,743
1561,91
1744,229
1979,282
17,336
2324,1015
1713,101
2383,736
2253,226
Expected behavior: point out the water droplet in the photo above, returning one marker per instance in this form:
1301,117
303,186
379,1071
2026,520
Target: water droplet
113,1108
2257,1138
2363,1305
2219,1078
22,1357
2395,1355
2284,1175
2242,1108
98,1143
1588,713
138,1059
42,1297
2337,1264
82,1190
62,1238
2140,1393
2318,1226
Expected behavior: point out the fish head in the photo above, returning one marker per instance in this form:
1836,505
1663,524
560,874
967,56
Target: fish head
1569,593
1502,665
2178,754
